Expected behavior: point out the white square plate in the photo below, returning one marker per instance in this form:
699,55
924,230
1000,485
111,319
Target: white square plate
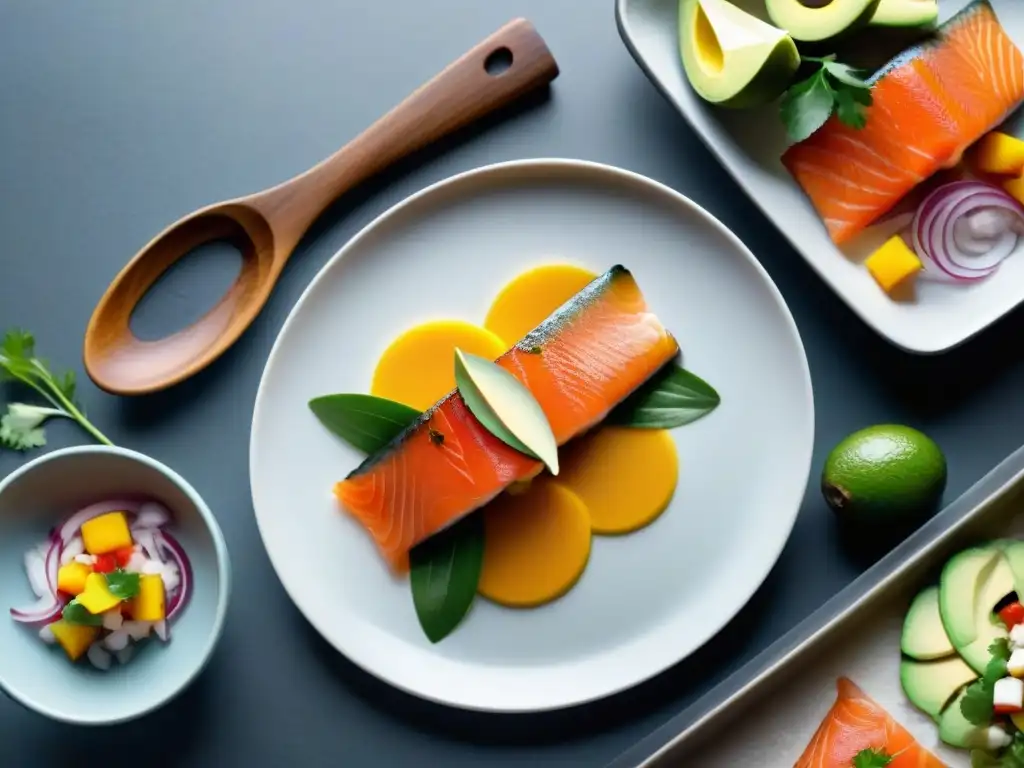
749,144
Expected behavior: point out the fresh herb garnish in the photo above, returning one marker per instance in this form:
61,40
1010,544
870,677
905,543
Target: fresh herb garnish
444,572
76,613
871,758
833,87
1011,757
122,584
367,422
976,705
21,427
671,398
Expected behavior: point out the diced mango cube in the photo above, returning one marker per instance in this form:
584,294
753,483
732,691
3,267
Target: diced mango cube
1000,153
106,533
148,604
71,577
1016,188
97,597
893,263
75,639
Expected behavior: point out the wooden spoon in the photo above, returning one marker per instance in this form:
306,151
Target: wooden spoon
267,226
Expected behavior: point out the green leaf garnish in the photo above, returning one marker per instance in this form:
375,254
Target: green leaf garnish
1011,757
671,398
833,87
76,613
444,574
506,408
122,584
976,705
367,422
871,758
18,363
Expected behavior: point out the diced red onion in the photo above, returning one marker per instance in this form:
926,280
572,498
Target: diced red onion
152,514
952,242
144,537
70,527
72,550
49,605
125,654
176,553
35,568
98,656
162,630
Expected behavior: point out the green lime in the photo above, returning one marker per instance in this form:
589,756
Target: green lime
886,474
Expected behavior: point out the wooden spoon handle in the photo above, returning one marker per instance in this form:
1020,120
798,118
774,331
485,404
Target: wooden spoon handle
462,93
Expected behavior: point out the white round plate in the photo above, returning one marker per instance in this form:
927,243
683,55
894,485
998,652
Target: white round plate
646,600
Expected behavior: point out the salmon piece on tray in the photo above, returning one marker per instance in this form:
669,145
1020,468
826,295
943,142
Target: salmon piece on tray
930,104
856,723
581,362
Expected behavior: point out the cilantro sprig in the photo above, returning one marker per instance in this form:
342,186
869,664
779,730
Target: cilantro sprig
871,758
976,706
833,87
21,427
1011,757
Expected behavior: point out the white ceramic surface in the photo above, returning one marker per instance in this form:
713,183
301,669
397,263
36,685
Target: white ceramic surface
42,493
749,144
646,600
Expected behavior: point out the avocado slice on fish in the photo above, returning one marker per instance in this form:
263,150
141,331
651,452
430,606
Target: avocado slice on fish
813,21
731,57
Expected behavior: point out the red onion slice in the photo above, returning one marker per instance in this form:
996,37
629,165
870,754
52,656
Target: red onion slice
152,514
144,537
35,568
952,244
48,606
176,553
70,527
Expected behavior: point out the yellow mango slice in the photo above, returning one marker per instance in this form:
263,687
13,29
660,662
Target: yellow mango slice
75,639
528,300
418,368
893,263
148,604
106,533
1000,153
536,545
625,476
96,597
71,577
1015,187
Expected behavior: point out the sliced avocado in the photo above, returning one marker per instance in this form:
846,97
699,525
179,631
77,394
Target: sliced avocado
1013,551
812,21
957,731
931,684
732,58
959,588
992,589
924,638
905,13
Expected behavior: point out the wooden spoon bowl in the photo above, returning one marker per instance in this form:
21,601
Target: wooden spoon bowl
266,227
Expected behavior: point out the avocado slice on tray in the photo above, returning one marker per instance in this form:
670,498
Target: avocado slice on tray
813,21
732,58
924,638
971,584
905,13
932,685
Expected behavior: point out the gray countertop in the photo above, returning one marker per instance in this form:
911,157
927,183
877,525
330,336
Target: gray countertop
118,117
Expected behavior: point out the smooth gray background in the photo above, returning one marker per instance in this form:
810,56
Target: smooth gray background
119,116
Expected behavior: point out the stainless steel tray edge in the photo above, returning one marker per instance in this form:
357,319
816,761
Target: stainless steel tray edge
913,555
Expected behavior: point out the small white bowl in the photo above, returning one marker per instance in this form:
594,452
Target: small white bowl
37,497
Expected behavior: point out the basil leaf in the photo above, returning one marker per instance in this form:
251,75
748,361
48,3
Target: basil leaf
123,585
671,398
76,613
367,422
445,572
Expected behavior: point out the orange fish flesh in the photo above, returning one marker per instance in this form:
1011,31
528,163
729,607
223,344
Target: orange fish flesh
856,722
581,362
930,104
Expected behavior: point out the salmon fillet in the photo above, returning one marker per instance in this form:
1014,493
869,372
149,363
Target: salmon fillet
579,363
929,105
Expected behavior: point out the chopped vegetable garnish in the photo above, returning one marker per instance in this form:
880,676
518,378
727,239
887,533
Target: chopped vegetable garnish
871,758
833,87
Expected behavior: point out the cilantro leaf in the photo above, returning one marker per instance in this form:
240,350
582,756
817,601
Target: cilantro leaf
832,88
807,106
18,363
21,427
976,706
871,758
122,584
76,613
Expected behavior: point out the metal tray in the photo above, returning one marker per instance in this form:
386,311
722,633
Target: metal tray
856,633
